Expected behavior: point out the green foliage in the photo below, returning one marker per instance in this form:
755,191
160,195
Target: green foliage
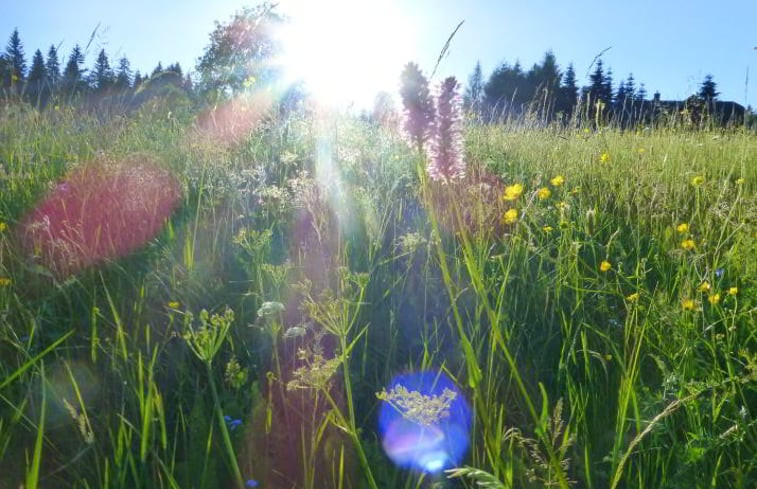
241,52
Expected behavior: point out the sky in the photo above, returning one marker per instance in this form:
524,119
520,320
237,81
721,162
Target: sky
669,45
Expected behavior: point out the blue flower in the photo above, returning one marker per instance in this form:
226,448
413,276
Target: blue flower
252,483
719,272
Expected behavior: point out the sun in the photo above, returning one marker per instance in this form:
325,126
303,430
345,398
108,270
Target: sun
345,51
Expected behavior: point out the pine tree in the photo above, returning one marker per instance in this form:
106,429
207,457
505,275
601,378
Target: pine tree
630,87
641,95
15,53
16,63
621,96
474,93
568,92
124,76
73,75
708,89
53,68
37,81
137,80
596,84
607,91
157,71
102,77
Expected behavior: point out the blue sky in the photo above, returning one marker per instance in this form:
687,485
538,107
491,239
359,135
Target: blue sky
670,45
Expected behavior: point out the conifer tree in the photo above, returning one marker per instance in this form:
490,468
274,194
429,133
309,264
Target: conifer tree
641,94
568,92
474,93
124,76
16,63
36,82
708,89
53,68
15,54
630,87
102,77
597,83
73,75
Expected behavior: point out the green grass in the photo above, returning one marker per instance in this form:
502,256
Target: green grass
115,378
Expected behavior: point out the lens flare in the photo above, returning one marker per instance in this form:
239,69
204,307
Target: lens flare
432,446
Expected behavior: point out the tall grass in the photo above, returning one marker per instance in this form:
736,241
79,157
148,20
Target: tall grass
642,374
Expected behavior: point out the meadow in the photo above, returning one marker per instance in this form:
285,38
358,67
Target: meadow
589,291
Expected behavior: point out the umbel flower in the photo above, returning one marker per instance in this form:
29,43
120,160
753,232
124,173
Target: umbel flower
419,108
447,161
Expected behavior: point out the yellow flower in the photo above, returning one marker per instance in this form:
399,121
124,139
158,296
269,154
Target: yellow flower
511,216
605,266
604,157
704,286
544,193
547,229
557,181
683,227
3,226
641,151
740,181
697,180
174,304
714,299
633,297
688,305
4,281
733,291
687,244
512,192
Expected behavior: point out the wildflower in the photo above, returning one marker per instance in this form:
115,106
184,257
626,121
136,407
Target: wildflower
633,297
605,266
547,229
419,108
719,272
511,216
697,180
575,190
447,161
688,244
251,483
173,304
704,286
4,281
714,299
688,305
557,181
3,226
733,291
512,192
641,151
740,181
544,193
604,157
419,408
683,227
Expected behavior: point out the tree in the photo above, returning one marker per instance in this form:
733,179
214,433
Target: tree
474,93
102,77
241,51
708,89
123,76
15,62
36,83
641,95
53,68
630,87
568,98
73,74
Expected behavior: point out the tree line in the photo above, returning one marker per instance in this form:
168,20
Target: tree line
550,94
46,78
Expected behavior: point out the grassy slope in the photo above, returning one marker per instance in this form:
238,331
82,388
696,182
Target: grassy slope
599,385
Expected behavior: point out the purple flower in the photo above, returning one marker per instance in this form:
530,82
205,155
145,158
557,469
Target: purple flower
447,161
419,108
